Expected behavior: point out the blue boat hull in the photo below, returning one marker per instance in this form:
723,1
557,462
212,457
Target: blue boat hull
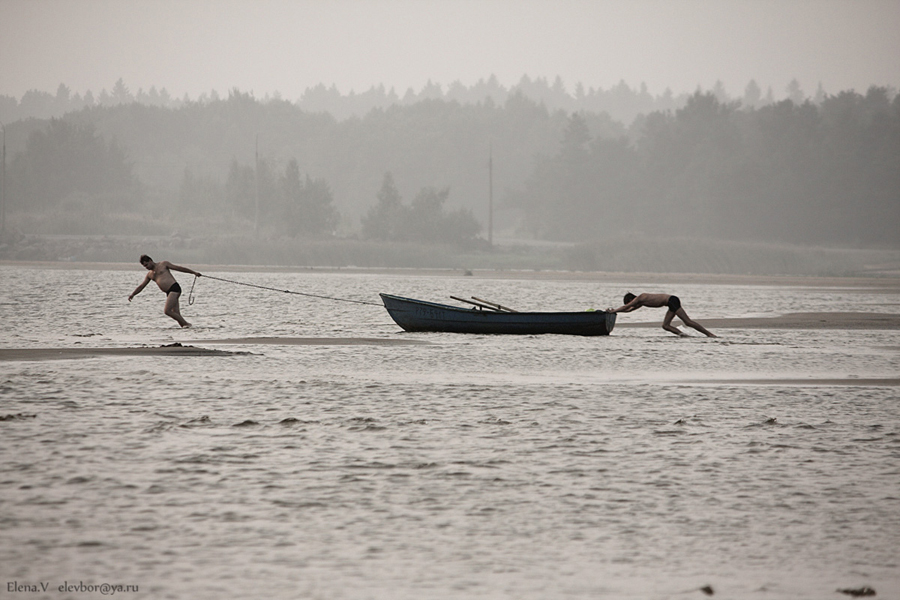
418,315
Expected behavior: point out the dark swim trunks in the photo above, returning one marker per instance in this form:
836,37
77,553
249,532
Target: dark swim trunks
174,288
674,303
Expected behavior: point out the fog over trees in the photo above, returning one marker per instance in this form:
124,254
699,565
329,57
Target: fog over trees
827,174
568,167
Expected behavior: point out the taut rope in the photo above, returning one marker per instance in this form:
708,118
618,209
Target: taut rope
271,289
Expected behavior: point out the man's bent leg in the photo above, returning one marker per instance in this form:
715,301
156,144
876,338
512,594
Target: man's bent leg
667,324
172,309
693,324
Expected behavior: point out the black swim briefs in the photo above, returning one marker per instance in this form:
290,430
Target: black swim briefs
177,288
674,303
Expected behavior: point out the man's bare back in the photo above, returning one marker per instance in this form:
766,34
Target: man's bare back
648,300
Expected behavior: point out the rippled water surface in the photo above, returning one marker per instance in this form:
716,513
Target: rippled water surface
628,466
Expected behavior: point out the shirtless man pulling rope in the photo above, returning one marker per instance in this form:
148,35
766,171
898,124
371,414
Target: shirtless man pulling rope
161,273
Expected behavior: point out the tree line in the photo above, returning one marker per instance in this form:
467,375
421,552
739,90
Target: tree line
801,172
621,101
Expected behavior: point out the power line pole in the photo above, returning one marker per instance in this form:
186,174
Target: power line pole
491,195
3,185
256,177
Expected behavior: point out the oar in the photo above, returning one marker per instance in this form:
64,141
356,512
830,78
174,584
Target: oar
499,306
478,304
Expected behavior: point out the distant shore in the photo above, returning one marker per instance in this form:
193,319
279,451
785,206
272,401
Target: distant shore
886,283
611,254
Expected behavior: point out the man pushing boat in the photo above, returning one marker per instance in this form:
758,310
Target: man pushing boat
672,303
161,273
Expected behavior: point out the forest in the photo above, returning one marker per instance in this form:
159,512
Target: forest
803,174
822,171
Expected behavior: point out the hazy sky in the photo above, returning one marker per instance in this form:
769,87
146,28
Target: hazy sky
264,46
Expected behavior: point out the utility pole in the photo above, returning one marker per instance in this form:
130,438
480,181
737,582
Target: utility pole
256,177
491,195
3,184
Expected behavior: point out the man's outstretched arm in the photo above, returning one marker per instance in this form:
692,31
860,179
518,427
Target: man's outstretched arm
140,288
631,306
183,270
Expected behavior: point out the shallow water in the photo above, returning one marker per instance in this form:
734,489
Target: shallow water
468,467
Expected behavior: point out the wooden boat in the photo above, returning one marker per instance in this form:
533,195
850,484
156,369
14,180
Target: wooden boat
488,317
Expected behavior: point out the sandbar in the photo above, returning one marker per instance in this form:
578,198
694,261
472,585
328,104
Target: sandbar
7,354
811,381
19,354
314,341
808,320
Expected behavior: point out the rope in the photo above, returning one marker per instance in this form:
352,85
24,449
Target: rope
191,293
271,289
